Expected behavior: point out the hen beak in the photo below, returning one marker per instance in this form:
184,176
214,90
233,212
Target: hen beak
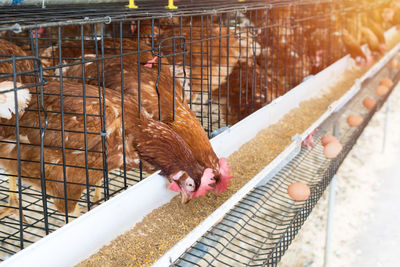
185,197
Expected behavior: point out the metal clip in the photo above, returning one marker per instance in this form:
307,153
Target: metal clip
171,5
16,28
297,139
131,4
219,131
108,18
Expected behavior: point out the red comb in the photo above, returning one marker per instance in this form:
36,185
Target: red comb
309,140
133,28
174,187
225,177
38,32
149,63
206,180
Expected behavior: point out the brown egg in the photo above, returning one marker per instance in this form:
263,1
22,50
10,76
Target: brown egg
381,90
332,149
398,66
354,120
328,139
386,82
369,103
298,191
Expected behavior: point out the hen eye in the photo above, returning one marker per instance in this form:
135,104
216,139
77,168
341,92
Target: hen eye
190,185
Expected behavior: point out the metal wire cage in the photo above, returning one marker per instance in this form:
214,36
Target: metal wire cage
223,62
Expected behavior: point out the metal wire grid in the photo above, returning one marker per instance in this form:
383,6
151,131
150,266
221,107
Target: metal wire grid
35,229
41,218
287,29
207,102
260,228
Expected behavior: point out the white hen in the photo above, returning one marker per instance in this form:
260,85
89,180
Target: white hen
7,101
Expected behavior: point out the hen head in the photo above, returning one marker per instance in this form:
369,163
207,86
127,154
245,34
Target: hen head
365,61
37,33
187,186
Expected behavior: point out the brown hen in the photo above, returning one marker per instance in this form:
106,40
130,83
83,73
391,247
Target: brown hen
162,98
86,140
70,168
249,90
212,49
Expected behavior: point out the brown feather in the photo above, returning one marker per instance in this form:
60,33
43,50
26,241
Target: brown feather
73,139
352,46
157,144
185,124
8,49
370,39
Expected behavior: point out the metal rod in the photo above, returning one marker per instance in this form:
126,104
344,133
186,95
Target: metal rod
57,2
331,205
386,125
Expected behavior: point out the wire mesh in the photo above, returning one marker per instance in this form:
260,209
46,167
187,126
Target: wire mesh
260,228
225,59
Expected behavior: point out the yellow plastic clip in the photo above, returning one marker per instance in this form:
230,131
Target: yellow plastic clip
171,5
132,4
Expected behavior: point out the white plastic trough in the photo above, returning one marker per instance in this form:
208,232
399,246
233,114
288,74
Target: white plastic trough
84,236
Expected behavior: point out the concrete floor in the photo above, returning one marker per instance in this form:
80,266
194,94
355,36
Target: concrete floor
379,242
